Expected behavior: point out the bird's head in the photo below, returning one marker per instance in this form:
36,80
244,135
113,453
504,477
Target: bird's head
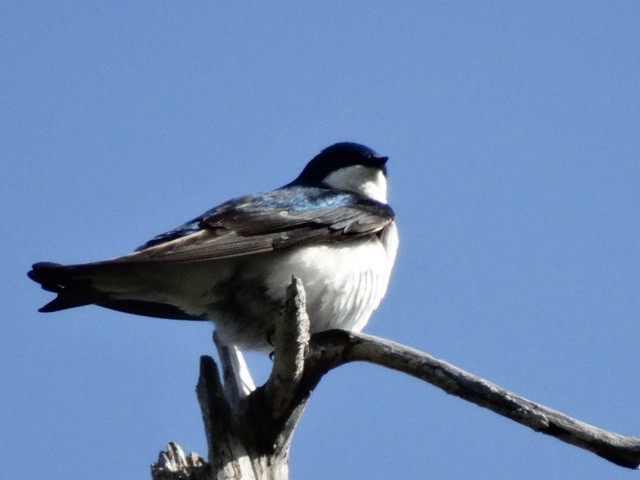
348,166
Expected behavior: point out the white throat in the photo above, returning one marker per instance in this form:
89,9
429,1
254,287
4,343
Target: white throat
367,181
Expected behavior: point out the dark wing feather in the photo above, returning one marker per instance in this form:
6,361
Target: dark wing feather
249,225
262,223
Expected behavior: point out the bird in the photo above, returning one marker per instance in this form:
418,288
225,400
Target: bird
331,227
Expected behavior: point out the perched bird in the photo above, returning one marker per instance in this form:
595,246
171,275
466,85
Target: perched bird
331,227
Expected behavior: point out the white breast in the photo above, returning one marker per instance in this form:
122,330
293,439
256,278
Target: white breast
344,284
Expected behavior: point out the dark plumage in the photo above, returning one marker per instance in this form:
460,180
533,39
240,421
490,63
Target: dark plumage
225,264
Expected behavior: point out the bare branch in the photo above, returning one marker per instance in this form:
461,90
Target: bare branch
249,431
333,348
175,465
238,383
290,342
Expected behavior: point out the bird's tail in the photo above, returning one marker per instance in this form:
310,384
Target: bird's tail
114,284
72,283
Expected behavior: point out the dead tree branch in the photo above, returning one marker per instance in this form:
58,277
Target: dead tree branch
249,429
336,347
174,464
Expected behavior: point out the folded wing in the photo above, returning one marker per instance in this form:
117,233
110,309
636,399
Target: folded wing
250,225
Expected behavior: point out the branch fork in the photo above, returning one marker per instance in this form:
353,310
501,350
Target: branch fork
249,429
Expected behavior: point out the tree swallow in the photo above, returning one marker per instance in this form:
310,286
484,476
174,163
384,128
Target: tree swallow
331,227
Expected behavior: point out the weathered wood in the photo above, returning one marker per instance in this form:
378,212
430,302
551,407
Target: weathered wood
175,465
249,429
236,442
333,348
238,383
290,341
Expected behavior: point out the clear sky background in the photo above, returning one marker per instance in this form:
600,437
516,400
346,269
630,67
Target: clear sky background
513,131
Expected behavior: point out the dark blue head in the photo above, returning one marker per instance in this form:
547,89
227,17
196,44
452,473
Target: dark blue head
336,157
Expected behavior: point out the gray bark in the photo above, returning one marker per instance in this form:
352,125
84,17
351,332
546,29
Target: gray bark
249,429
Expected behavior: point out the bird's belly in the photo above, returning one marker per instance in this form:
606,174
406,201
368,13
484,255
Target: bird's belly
243,296
343,286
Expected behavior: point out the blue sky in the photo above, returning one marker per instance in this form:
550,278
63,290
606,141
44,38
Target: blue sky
513,131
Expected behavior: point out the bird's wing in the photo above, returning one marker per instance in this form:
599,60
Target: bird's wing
255,224
262,223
